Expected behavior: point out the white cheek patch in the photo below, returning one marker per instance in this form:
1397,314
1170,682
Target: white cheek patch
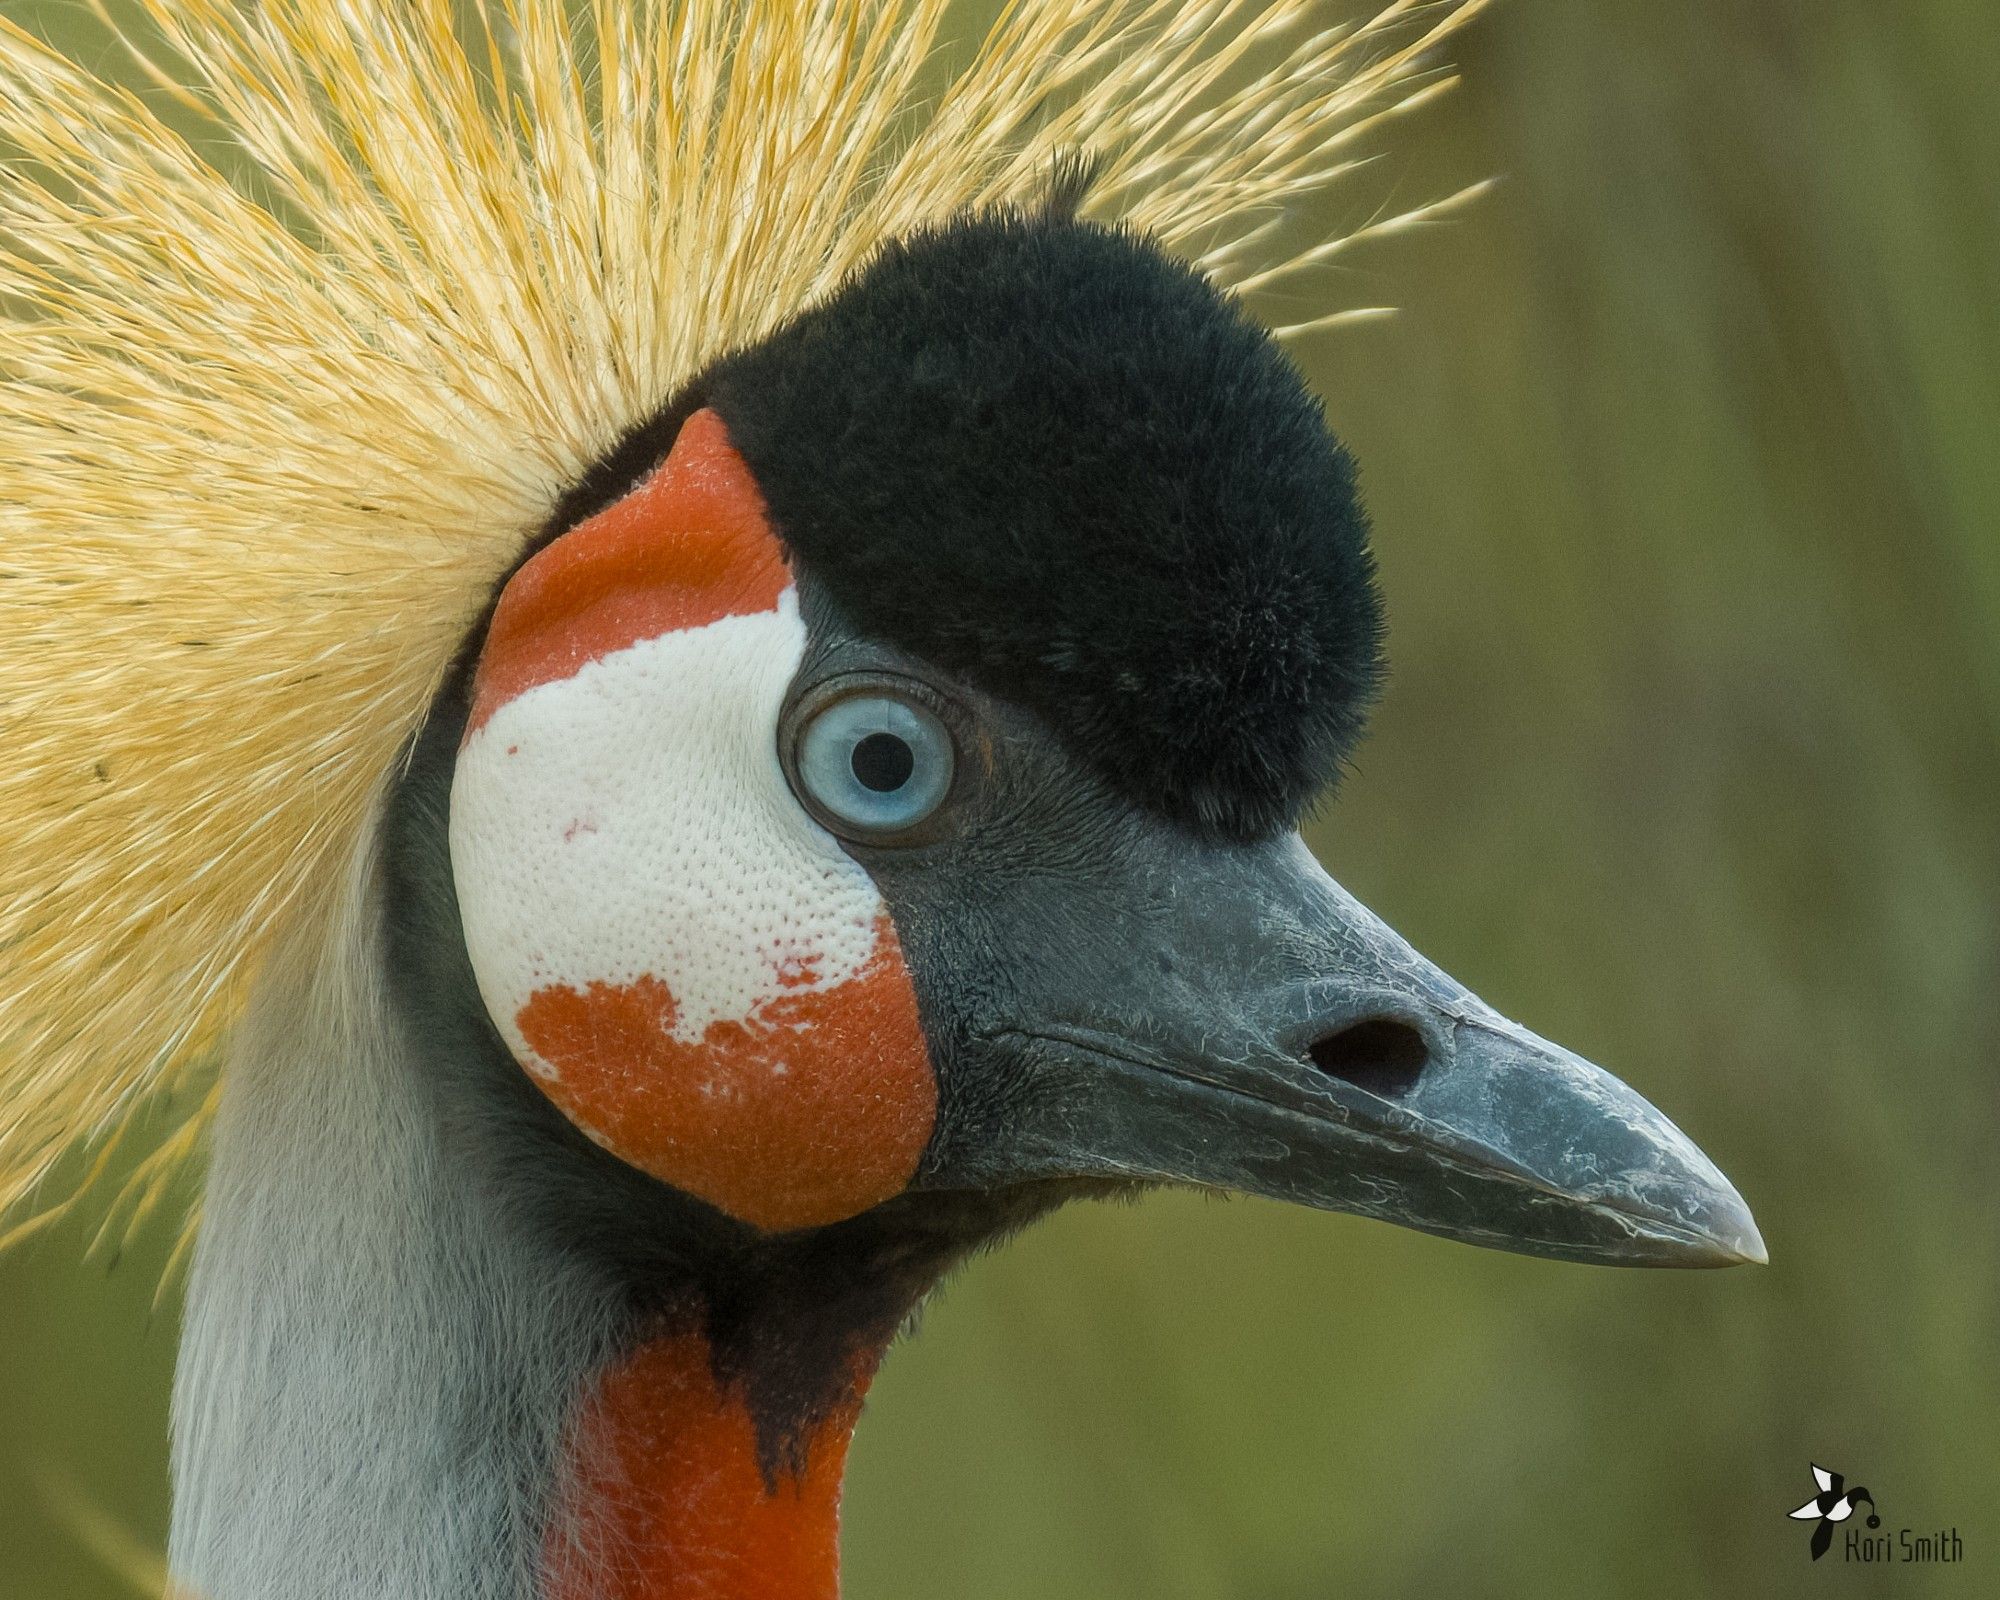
632,821
691,968
688,966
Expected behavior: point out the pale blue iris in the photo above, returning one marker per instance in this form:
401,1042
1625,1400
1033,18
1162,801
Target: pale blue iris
876,764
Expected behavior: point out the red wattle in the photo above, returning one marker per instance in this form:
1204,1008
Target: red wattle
671,1502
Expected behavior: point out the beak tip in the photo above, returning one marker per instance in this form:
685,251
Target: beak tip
1732,1234
1747,1249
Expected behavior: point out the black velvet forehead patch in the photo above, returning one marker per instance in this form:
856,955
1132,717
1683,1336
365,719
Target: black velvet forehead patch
1043,454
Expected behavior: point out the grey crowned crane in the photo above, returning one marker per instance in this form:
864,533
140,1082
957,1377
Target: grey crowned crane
695,650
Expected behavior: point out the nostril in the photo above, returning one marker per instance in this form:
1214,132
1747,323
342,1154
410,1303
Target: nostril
1379,1054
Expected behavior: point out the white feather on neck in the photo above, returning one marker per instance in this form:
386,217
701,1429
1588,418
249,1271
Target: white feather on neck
379,1357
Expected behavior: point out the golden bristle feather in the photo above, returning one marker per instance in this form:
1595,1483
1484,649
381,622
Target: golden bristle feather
302,338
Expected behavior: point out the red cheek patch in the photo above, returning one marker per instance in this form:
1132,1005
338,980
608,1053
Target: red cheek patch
691,545
814,1108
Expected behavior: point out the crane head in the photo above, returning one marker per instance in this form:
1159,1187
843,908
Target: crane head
877,794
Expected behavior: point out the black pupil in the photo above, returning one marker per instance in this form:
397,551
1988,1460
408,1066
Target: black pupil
882,762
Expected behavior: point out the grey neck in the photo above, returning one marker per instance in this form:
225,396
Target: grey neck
380,1354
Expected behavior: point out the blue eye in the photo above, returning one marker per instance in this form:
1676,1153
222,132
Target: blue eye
875,763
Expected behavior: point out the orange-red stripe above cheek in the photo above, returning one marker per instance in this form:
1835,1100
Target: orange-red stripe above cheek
690,545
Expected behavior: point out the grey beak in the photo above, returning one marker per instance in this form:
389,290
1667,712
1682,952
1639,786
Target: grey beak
1236,1020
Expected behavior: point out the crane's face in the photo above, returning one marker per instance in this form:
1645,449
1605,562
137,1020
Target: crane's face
885,786
797,921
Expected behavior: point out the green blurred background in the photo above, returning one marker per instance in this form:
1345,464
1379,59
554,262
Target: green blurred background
1684,455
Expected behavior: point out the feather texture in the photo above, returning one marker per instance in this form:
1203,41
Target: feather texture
301,339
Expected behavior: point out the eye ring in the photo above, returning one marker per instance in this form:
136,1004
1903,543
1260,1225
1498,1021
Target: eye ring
872,760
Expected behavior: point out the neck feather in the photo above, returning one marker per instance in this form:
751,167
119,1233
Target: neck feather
379,1358
402,1378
